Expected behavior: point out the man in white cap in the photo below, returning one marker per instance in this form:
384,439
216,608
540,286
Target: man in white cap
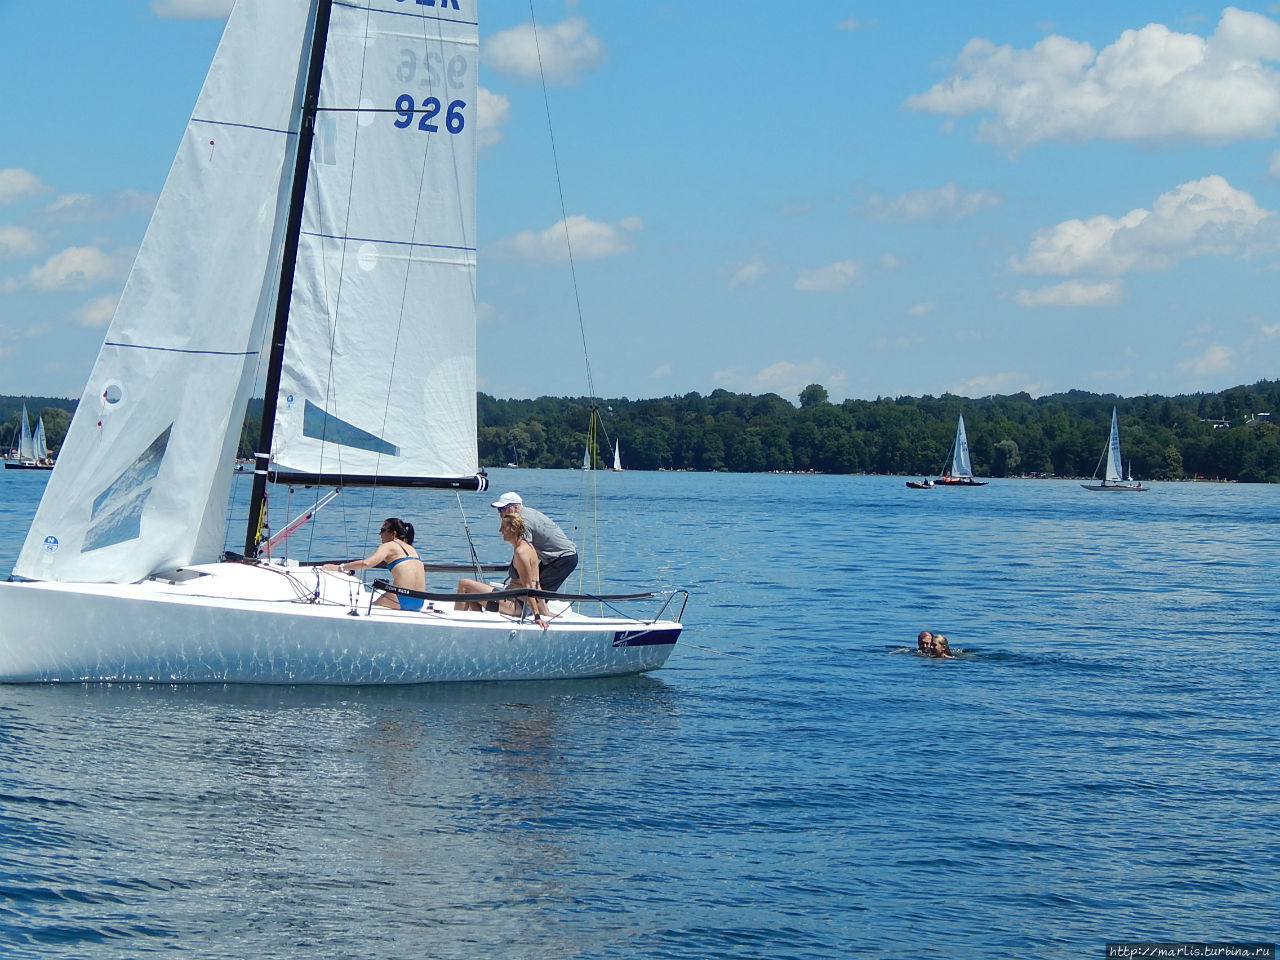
557,554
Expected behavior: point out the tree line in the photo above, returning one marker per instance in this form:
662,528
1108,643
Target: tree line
1223,436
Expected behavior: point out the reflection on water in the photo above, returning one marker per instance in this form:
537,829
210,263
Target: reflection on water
1098,762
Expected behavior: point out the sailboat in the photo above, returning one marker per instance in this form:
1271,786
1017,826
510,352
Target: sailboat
960,472
617,456
33,451
1112,478
322,201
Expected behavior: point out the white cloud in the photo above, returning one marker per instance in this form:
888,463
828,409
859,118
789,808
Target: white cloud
784,378
920,309
590,239
1073,293
660,372
97,312
1273,164
948,203
565,50
1214,360
890,262
850,24
1200,217
15,183
1149,85
493,113
996,383
85,208
748,273
192,9
18,241
833,276
72,269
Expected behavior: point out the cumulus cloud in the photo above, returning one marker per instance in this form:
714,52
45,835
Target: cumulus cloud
785,378
1149,85
493,113
86,208
833,276
949,203
1206,216
590,240
72,269
192,9
1073,293
16,183
748,274
996,383
562,51
1214,360
18,241
97,312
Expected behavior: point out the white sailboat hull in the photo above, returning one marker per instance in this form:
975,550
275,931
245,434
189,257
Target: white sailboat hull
241,623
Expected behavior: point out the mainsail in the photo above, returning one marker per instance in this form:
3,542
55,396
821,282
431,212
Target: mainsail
378,383
26,448
143,479
39,445
960,466
1114,468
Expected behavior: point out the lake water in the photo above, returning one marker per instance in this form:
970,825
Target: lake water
1099,765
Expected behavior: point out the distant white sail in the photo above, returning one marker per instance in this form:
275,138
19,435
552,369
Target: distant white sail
1113,451
26,448
960,466
617,456
39,445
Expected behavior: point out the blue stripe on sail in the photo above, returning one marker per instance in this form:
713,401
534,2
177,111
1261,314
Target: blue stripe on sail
321,425
244,126
400,243
211,353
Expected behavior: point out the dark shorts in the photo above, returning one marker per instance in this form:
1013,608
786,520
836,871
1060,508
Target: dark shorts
555,572
551,573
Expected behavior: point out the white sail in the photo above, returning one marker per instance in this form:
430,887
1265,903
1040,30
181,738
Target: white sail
141,483
39,445
1114,462
617,456
960,466
379,380
586,458
26,448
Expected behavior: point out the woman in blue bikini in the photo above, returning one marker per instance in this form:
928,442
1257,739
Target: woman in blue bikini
396,551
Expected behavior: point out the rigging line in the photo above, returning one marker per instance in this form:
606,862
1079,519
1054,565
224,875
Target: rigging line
475,558
564,216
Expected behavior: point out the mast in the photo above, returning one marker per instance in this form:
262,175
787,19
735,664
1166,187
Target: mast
288,263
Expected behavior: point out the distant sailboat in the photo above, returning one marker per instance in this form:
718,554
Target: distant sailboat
33,453
960,472
1112,478
586,458
617,457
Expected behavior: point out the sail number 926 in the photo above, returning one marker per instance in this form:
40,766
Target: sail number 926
427,111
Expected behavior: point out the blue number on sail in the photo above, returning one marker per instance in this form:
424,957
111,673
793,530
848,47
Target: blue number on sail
430,108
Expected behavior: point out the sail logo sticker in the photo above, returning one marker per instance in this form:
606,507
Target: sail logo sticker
51,544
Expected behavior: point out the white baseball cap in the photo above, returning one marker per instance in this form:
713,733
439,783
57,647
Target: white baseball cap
506,500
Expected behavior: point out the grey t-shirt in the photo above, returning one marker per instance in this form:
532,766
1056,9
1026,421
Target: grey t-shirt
547,537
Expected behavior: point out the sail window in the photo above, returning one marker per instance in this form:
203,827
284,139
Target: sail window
319,424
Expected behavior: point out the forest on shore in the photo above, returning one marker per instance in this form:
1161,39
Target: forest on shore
1229,435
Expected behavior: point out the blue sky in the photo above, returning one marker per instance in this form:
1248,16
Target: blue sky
883,198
